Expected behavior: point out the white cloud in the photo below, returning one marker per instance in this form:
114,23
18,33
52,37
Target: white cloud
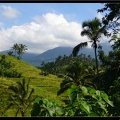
46,32
99,16
9,12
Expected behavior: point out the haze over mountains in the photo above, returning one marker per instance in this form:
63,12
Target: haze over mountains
52,54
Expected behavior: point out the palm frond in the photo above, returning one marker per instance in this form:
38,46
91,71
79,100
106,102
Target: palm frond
88,33
64,82
85,24
62,90
13,88
32,91
17,112
23,85
78,47
8,107
28,85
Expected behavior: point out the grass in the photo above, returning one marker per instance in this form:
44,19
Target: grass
44,86
23,67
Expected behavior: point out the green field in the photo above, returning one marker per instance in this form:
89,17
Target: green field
44,86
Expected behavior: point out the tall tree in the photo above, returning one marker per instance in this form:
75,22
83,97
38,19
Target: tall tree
15,47
21,49
93,30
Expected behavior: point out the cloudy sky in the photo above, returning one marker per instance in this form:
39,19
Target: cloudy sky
43,26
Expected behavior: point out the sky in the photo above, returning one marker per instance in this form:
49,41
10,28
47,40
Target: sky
44,26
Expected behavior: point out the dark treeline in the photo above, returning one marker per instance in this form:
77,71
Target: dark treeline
58,66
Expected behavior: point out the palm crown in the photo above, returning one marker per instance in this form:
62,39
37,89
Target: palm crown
93,30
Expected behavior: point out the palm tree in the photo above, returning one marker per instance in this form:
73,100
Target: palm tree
10,53
15,47
21,49
21,96
76,75
93,30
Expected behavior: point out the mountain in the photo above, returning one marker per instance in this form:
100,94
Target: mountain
26,56
52,54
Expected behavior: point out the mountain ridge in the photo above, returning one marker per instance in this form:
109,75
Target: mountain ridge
36,59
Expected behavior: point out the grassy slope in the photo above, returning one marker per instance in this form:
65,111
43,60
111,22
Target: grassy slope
21,66
45,86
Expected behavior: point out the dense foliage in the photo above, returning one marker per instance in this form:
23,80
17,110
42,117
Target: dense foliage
19,49
5,68
58,67
89,92
83,101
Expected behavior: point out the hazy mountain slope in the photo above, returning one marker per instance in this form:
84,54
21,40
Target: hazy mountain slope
52,54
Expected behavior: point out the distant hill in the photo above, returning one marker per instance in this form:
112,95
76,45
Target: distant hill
52,54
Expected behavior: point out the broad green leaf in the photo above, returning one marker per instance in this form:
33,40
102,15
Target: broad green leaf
102,105
37,100
59,111
73,96
85,107
91,91
84,90
51,110
95,97
73,88
105,97
110,103
79,96
98,92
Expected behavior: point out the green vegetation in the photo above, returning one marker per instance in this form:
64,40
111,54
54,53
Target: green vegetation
19,49
84,101
93,30
19,66
44,86
70,86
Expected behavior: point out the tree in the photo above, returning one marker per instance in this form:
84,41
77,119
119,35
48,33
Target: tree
15,47
111,73
111,19
21,49
93,30
76,74
10,53
21,96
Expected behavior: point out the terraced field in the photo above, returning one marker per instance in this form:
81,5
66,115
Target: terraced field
44,86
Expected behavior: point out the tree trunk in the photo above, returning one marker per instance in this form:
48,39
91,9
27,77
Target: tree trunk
96,61
22,113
